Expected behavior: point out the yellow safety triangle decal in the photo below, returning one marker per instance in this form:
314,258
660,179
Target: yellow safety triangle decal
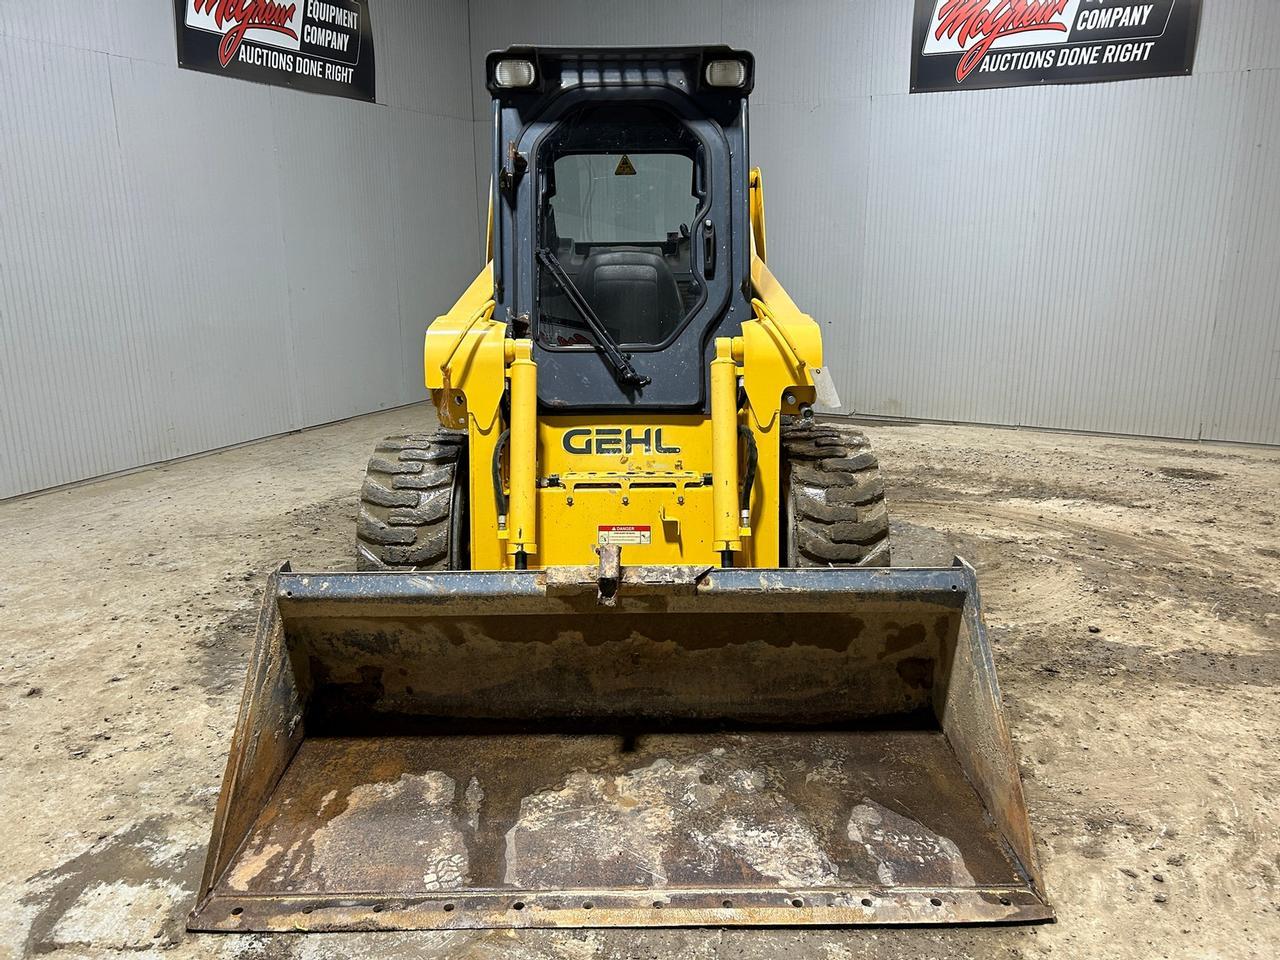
624,168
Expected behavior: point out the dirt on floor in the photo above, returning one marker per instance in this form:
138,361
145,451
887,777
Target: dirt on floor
1130,587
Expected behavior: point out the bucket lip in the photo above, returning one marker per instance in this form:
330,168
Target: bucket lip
949,586
654,907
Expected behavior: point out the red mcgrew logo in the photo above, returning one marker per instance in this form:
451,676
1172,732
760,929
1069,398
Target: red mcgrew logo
976,24
246,15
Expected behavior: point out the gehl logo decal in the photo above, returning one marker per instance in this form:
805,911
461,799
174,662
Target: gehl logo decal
608,440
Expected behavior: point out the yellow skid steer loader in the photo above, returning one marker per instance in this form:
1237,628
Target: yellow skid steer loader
623,648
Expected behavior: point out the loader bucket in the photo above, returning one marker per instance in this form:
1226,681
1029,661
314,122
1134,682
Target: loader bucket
722,747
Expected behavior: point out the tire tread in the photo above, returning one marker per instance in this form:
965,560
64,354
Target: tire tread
837,496
406,502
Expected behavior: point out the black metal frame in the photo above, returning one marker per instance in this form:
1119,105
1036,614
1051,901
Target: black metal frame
581,380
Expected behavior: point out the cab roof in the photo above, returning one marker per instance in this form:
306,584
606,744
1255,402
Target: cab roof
562,68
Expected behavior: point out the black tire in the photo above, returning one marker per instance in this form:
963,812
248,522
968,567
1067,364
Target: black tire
413,510
834,513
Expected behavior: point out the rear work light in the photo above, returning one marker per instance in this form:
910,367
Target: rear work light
513,73
726,73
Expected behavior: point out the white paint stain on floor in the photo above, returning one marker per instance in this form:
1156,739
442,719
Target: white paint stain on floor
118,916
898,843
346,839
622,828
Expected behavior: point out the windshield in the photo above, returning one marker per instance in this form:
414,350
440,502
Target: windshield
622,188
614,198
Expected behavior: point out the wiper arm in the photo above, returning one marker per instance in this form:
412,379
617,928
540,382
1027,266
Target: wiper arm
612,350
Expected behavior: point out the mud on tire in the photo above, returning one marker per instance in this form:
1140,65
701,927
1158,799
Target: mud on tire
413,504
834,511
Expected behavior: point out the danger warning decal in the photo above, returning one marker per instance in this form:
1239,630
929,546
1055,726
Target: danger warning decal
623,534
322,46
971,44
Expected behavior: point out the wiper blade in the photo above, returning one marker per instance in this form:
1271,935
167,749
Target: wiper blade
612,350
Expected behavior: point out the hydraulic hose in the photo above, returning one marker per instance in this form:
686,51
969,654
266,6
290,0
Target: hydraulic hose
749,470
499,495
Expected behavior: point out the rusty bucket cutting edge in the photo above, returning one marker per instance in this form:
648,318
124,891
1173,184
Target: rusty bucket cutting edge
722,747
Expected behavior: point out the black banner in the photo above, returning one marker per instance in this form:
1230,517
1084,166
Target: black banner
972,44
321,46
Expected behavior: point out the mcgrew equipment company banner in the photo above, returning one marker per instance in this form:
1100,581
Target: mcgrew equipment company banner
322,46
970,44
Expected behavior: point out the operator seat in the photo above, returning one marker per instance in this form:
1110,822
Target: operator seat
634,293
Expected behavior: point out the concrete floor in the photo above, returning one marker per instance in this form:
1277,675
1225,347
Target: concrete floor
1131,592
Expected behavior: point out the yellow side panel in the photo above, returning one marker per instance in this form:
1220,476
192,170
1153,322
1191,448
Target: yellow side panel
771,345
632,444
643,473
640,481
463,359
755,202
761,549
652,526
488,552
445,329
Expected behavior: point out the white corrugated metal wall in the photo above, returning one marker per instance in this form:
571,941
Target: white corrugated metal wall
1094,257
190,261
